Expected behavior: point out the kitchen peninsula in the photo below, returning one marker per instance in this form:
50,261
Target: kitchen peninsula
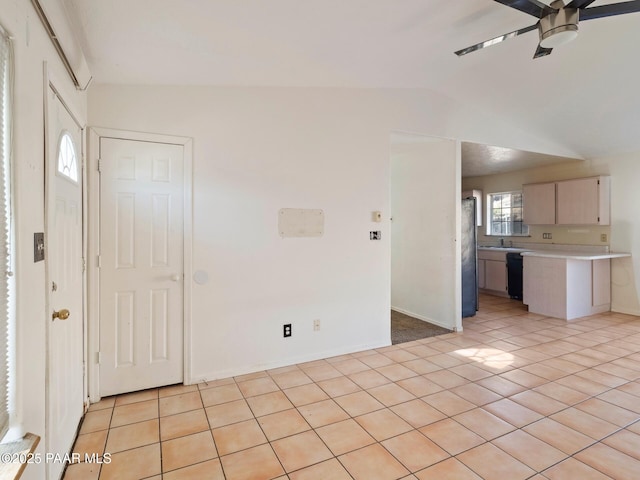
567,285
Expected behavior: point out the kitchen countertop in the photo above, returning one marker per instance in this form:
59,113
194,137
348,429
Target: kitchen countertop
573,255
505,249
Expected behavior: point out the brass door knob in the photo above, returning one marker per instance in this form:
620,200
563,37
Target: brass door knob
62,314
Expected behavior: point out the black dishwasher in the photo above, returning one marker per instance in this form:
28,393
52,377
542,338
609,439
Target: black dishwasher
514,275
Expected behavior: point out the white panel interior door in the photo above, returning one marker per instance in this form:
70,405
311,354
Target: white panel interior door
65,395
141,267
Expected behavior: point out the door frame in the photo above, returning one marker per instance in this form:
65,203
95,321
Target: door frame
53,82
93,270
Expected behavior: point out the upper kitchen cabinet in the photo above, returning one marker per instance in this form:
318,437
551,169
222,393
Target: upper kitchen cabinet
477,194
583,201
539,203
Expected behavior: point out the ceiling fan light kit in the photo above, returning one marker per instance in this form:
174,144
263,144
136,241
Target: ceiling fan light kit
557,23
558,28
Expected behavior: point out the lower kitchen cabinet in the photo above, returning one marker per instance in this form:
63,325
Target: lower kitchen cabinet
496,276
481,264
567,287
492,272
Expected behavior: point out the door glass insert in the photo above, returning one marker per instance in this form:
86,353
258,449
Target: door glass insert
67,164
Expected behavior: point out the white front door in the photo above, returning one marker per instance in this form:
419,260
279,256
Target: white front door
65,381
141,265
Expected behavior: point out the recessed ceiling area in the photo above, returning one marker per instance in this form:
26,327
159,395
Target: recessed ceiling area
479,160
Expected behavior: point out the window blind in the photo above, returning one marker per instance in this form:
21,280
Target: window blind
6,59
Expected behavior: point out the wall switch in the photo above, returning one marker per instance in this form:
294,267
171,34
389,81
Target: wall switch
376,217
316,325
38,247
286,330
377,235
603,237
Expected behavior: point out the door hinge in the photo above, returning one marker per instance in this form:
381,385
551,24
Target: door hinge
98,357
99,261
84,265
99,165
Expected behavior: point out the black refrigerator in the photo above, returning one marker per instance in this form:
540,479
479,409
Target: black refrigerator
469,258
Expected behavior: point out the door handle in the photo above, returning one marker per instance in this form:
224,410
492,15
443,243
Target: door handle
175,277
62,314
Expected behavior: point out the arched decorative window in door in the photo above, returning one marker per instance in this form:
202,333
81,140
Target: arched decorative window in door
67,163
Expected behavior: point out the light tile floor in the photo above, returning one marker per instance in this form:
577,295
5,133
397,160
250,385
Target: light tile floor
515,396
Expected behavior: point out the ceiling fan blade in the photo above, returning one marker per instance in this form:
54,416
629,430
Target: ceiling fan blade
542,52
579,3
493,41
610,10
532,7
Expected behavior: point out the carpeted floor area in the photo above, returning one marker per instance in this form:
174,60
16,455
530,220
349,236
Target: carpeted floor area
407,329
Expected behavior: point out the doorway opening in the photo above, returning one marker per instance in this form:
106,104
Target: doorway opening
425,222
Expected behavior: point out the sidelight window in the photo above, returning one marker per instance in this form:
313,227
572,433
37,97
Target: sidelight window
7,282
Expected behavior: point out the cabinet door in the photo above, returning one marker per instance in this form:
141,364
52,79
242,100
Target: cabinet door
477,194
495,273
481,264
578,202
539,203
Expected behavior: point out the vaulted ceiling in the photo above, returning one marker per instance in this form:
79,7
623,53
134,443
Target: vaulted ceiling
584,96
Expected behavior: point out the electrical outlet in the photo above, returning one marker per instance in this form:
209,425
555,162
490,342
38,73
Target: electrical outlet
316,325
603,237
546,236
286,330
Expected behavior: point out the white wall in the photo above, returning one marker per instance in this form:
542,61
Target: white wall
624,232
424,229
257,150
32,47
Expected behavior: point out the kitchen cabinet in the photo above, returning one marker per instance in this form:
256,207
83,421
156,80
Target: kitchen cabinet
583,201
477,194
580,201
539,203
495,275
567,285
492,271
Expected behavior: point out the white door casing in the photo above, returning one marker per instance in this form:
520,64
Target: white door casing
64,265
141,265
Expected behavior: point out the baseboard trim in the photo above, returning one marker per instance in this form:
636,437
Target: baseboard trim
422,317
234,372
625,311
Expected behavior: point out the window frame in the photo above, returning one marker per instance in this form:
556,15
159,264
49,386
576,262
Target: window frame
7,243
490,219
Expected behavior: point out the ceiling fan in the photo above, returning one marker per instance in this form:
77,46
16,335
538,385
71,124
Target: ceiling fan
558,23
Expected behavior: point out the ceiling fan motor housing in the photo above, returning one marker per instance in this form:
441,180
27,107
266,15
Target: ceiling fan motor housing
558,28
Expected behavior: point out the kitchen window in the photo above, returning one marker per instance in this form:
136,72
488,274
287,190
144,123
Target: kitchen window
505,214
